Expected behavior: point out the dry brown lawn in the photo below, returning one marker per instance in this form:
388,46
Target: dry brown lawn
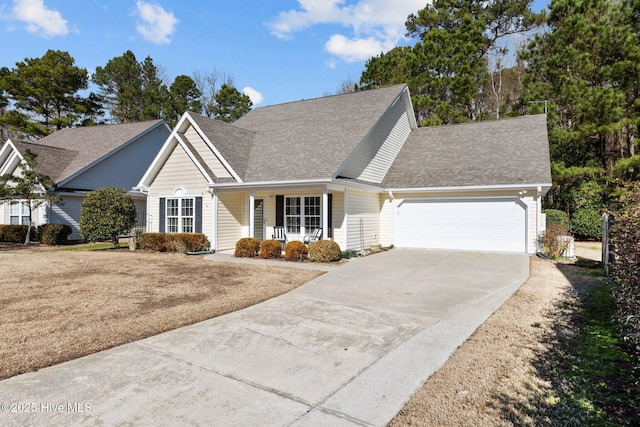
57,305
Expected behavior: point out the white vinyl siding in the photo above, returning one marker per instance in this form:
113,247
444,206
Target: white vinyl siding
363,219
206,153
386,220
124,168
532,222
231,219
179,173
373,158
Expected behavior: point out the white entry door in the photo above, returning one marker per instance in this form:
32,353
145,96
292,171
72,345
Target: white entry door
465,224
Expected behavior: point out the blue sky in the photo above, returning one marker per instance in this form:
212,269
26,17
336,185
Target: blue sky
276,51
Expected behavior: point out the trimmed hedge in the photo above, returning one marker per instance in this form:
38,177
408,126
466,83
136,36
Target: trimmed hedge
54,234
247,247
586,224
324,251
174,242
295,251
625,235
15,233
555,216
270,249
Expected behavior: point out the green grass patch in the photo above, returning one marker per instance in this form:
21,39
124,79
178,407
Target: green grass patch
594,377
98,246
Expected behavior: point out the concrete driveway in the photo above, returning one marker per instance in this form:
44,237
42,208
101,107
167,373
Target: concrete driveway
347,349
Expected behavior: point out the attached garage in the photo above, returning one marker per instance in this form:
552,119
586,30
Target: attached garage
463,224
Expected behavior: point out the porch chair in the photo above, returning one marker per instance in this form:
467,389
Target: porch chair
280,234
310,238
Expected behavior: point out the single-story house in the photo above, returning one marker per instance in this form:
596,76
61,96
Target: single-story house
83,159
358,167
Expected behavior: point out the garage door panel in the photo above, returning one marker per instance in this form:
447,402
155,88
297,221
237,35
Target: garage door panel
491,225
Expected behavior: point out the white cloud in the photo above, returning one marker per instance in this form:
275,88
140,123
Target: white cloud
157,24
255,96
372,26
39,19
354,50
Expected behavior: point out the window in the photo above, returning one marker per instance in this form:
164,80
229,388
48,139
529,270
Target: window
19,213
311,214
292,215
302,214
180,215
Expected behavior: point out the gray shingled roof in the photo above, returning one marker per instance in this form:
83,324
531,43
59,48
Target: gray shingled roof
233,142
500,152
51,160
308,139
67,151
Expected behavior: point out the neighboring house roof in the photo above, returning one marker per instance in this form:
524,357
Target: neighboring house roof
51,160
308,139
489,153
68,151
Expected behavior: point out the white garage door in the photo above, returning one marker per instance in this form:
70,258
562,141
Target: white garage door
482,225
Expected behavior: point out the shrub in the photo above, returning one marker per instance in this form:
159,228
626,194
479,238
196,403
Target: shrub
555,216
159,242
54,234
174,242
270,249
625,235
247,247
586,223
550,240
324,251
107,213
189,242
295,251
13,233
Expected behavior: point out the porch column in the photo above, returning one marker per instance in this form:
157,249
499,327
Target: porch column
252,204
214,232
325,213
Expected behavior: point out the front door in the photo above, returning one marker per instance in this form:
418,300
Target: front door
258,219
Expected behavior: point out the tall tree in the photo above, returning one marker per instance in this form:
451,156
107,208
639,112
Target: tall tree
208,83
447,68
120,84
231,104
184,96
588,67
44,95
155,95
29,187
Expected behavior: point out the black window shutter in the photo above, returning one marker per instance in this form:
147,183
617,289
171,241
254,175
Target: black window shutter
330,213
198,215
279,211
162,214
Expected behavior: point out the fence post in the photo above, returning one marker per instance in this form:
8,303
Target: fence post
607,223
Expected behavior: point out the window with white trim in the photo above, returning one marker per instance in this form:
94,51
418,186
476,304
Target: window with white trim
19,213
180,215
302,214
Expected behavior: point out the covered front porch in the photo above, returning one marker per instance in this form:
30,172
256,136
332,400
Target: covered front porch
255,212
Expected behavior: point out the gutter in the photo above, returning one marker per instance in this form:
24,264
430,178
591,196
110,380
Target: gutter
470,188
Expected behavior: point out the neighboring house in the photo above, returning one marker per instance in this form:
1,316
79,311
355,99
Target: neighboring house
357,166
83,159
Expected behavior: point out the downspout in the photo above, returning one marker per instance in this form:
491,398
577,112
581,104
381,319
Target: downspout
538,218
